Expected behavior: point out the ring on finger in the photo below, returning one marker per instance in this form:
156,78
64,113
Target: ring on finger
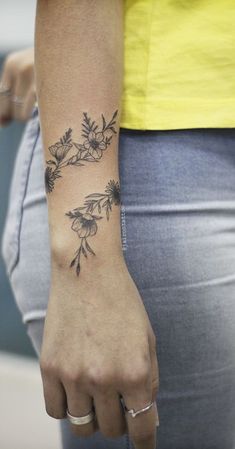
79,420
133,412
17,100
4,90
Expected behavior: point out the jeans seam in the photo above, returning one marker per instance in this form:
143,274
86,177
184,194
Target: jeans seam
22,203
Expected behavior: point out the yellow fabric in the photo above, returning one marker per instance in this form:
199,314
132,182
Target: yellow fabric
179,64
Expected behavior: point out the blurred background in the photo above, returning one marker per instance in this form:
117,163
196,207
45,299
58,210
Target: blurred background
24,422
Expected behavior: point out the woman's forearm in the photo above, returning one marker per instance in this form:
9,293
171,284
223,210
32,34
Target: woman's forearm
79,70
97,332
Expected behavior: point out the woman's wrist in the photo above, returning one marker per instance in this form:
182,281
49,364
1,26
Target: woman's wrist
90,234
91,284
92,256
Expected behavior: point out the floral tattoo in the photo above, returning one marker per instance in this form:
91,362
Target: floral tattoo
66,152
85,219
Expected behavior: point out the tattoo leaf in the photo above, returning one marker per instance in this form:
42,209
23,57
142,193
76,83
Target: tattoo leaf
104,122
84,251
73,263
95,195
66,137
89,248
78,269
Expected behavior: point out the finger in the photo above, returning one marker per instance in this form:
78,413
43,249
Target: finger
30,101
5,95
25,109
55,397
155,375
18,99
155,384
110,415
142,427
80,404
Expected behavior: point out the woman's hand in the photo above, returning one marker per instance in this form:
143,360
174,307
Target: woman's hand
99,344
17,91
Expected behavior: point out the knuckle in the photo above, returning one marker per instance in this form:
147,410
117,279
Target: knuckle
137,376
99,378
72,376
48,367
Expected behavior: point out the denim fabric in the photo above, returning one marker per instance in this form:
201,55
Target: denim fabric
178,234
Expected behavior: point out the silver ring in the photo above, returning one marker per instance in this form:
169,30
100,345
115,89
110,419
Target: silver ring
4,90
79,420
18,101
133,412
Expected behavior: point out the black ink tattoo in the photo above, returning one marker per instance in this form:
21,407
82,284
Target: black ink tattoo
85,220
66,152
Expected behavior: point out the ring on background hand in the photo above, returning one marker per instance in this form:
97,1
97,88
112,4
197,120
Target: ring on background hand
5,91
18,101
133,412
79,420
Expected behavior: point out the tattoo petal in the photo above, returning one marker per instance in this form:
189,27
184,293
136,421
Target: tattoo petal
59,150
99,137
85,225
95,152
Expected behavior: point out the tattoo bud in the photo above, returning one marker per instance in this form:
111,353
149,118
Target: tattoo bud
73,159
85,225
60,150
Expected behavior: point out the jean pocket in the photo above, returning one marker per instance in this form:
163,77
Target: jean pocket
18,187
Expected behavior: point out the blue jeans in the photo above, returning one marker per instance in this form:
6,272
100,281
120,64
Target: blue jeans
178,233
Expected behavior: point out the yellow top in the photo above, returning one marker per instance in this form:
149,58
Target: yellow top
179,64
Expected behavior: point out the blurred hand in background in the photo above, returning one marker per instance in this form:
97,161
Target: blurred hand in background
17,87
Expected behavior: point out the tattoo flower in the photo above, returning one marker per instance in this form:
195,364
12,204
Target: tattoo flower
60,150
85,222
113,191
95,144
85,225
